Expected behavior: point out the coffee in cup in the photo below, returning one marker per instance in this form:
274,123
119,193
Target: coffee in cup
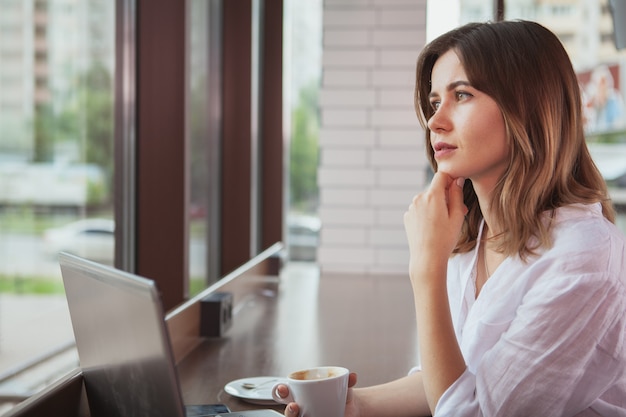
319,391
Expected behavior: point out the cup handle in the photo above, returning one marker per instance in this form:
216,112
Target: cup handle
286,400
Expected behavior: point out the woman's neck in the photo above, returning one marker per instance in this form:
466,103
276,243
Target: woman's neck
491,227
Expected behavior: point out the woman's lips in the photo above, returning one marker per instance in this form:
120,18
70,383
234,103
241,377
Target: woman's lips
442,149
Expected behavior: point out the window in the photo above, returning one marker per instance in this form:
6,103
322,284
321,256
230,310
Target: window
57,163
304,46
204,140
601,74
56,174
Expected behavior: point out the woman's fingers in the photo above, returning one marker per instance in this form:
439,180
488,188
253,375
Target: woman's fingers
456,206
282,390
435,217
292,410
352,379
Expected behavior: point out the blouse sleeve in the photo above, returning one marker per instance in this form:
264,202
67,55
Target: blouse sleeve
561,351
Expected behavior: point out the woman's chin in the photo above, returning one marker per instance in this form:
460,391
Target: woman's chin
454,173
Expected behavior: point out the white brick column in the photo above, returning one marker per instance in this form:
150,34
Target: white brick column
371,145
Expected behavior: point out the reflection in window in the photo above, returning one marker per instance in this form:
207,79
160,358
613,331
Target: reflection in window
56,173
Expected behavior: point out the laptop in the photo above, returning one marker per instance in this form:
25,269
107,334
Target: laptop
123,345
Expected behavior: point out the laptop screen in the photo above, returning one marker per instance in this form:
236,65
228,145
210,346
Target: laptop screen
122,341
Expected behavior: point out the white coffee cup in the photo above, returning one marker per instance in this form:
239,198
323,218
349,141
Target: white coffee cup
320,391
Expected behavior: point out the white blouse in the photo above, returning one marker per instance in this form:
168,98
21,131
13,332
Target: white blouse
545,337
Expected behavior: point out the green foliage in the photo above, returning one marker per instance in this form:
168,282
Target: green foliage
96,192
97,98
616,136
86,118
304,151
196,285
30,285
43,133
23,219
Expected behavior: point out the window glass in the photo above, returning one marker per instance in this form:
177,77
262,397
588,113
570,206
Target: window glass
56,173
198,139
303,34
586,30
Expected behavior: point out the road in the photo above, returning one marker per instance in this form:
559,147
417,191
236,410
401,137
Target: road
23,255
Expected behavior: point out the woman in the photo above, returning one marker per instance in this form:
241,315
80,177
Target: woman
517,270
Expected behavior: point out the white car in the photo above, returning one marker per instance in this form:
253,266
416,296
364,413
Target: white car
89,238
303,237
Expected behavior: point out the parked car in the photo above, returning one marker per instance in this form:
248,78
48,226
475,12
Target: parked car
303,237
91,238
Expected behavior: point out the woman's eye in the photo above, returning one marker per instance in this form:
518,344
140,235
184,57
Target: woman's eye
461,95
435,104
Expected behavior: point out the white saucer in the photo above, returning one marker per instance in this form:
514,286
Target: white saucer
261,395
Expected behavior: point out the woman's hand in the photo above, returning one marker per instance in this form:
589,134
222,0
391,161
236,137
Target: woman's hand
434,220
433,223
352,409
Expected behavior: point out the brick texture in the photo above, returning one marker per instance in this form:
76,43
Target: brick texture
371,145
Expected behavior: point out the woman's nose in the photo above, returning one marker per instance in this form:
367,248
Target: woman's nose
440,120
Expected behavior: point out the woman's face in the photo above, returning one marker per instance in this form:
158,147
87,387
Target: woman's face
467,131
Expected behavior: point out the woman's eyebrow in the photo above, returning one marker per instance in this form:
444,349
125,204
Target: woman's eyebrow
451,87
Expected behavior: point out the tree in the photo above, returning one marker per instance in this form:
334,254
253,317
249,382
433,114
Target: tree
43,133
304,151
97,98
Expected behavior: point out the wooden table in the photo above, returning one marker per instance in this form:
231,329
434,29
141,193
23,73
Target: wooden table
301,319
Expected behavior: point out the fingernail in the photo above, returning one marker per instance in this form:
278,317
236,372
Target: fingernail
460,181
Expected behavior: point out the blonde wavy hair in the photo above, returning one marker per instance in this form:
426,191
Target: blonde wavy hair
525,69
